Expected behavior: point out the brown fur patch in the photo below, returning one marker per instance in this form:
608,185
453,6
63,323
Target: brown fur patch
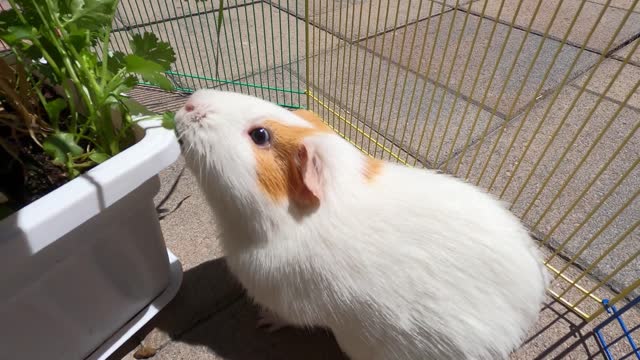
278,173
372,168
277,168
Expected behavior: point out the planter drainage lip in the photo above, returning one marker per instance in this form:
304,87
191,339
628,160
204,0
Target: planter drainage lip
70,205
145,315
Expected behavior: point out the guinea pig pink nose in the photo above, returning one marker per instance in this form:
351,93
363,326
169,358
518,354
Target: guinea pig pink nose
189,107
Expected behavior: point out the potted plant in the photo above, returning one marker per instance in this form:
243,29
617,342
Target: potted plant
83,263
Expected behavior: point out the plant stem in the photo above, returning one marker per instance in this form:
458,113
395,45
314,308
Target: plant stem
36,42
105,59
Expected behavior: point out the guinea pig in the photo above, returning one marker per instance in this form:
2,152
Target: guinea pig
398,262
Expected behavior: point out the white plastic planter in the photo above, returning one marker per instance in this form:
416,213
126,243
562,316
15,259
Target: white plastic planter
85,266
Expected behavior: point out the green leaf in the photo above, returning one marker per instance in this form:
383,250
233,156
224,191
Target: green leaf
72,171
28,11
75,6
149,47
79,38
130,82
123,86
9,18
54,108
59,146
92,14
168,120
149,70
98,157
220,17
14,34
115,61
90,59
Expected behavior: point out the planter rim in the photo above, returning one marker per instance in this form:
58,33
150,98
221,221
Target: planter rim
63,209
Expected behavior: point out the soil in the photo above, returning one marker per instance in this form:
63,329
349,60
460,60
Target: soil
31,177
28,180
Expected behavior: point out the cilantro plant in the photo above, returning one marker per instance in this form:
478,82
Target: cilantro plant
64,45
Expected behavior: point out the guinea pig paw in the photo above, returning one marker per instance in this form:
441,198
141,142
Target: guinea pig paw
270,321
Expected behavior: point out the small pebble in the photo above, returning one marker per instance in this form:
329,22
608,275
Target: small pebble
144,352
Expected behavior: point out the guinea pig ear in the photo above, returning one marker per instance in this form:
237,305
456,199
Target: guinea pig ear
308,187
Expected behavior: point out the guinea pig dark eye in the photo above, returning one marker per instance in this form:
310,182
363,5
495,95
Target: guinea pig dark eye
260,136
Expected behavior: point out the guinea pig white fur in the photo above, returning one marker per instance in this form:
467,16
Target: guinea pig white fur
400,263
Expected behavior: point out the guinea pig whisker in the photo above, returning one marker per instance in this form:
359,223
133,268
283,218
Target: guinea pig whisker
182,134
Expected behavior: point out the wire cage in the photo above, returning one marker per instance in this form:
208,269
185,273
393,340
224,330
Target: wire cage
535,101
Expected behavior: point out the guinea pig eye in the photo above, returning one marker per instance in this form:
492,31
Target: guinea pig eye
260,136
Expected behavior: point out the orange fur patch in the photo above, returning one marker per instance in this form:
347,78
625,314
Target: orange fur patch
372,168
277,172
313,119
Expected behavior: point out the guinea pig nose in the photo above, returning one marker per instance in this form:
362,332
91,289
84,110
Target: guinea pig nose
189,107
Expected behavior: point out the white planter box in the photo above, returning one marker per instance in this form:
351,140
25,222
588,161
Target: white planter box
85,266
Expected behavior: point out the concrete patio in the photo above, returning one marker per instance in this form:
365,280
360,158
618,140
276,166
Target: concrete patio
212,319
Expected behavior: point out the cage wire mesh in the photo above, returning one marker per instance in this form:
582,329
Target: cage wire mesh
535,101
239,45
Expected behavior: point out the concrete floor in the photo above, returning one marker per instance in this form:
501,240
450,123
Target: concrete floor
211,319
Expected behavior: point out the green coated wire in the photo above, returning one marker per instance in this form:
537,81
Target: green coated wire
247,84
220,16
190,90
218,25
282,36
253,9
179,58
244,60
129,22
202,31
306,41
273,48
290,47
189,41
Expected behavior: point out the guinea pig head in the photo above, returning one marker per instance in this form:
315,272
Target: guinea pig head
251,150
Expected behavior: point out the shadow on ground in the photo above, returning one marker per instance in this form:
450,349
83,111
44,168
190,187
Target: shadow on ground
212,315
212,312
559,334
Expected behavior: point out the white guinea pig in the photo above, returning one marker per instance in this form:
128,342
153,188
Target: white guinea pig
400,263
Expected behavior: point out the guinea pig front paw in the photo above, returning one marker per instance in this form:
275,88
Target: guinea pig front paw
269,320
